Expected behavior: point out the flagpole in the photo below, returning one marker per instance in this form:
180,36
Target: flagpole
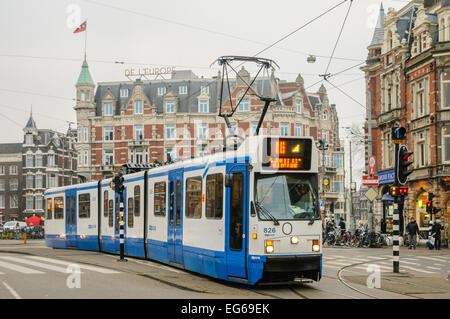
85,42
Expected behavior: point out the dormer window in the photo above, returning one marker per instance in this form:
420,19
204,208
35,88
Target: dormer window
170,107
205,90
161,91
298,106
203,106
244,106
138,107
108,109
182,89
123,92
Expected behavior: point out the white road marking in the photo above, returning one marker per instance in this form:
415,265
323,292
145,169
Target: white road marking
36,264
12,291
18,268
430,258
433,268
407,262
82,266
418,270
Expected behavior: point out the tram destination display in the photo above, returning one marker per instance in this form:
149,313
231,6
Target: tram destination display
286,154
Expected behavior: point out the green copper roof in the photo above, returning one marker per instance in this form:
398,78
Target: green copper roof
85,76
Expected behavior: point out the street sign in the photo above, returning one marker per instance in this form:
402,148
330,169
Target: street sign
371,194
370,180
372,165
321,204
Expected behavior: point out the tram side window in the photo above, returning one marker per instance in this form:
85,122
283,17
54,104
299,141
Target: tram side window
105,204
159,200
49,208
84,205
137,201
214,196
59,207
130,213
111,213
194,197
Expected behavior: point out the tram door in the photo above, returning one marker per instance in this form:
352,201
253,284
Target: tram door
71,218
117,219
236,204
175,227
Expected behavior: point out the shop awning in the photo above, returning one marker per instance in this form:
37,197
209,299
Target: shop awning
387,197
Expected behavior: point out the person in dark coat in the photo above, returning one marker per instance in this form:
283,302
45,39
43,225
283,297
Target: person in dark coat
342,226
437,227
413,230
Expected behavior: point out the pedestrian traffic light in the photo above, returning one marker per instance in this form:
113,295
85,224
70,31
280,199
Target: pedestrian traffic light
398,133
118,183
403,162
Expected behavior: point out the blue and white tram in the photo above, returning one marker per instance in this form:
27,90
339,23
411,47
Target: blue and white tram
249,215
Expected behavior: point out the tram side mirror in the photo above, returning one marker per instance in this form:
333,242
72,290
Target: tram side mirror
228,180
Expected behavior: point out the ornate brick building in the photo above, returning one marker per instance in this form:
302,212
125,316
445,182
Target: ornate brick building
144,120
407,84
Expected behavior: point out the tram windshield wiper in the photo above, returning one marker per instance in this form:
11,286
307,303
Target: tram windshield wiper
266,213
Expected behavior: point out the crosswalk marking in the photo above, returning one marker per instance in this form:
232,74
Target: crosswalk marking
23,270
34,263
82,266
430,258
433,268
418,270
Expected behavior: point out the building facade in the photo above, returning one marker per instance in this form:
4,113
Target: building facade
407,85
145,120
11,182
49,159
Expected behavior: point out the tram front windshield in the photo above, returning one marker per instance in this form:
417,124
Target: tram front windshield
286,196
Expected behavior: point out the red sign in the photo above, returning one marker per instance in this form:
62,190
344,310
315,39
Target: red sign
1,212
372,165
370,180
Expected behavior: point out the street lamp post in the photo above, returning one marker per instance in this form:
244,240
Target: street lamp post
323,146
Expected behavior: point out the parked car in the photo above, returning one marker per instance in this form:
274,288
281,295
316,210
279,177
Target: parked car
13,225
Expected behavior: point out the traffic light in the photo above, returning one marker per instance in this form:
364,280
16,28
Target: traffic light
429,207
398,133
396,191
403,162
117,183
436,210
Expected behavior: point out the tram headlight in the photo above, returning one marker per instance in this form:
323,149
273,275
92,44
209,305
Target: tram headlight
294,240
269,246
315,245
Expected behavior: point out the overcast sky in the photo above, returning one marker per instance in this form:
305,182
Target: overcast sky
180,33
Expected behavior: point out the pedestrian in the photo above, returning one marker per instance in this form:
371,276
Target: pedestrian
413,230
342,225
437,234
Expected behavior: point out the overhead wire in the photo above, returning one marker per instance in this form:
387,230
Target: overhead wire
339,37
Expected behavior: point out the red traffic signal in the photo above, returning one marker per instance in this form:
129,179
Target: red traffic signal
396,191
402,165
